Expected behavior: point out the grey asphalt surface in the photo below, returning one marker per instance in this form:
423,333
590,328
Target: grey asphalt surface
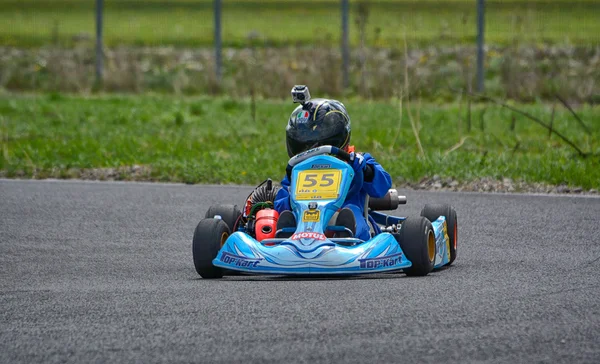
103,272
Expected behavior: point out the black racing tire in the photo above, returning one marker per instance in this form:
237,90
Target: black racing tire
417,240
209,237
229,214
432,212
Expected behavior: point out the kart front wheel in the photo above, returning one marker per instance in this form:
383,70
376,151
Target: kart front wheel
433,212
209,237
229,214
417,241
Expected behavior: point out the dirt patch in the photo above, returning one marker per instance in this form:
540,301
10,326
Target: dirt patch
506,185
124,173
143,174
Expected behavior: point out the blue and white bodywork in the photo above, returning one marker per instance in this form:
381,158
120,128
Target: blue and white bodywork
320,184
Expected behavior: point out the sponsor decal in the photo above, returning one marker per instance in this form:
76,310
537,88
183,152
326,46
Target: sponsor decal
384,262
239,261
306,190
302,116
311,215
320,166
308,235
447,239
310,151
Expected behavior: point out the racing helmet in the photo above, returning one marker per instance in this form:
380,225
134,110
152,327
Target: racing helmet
315,123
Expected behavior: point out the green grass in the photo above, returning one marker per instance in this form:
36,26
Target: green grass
215,140
284,22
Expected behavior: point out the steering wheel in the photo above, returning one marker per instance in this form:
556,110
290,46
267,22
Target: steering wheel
326,149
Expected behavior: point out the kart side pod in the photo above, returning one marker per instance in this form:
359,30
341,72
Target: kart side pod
390,201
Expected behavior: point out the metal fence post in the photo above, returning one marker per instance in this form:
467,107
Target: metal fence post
480,44
345,45
99,43
218,61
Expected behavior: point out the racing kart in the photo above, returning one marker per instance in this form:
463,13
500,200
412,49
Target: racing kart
320,181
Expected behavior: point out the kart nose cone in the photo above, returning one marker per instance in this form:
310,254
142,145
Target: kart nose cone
241,252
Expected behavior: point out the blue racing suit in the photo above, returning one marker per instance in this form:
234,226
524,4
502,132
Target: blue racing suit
376,183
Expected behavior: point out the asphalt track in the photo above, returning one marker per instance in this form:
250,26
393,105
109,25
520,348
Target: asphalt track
103,272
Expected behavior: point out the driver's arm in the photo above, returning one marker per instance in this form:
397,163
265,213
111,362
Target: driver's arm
282,199
377,180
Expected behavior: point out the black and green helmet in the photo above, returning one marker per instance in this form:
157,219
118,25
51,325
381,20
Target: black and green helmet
315,123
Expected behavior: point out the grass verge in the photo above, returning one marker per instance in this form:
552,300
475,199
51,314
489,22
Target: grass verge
285,22
220,140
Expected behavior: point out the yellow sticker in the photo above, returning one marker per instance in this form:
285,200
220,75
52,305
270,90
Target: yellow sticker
322,184
311,216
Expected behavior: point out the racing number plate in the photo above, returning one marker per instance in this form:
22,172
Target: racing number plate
322,184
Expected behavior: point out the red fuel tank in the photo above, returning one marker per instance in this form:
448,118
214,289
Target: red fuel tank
266,224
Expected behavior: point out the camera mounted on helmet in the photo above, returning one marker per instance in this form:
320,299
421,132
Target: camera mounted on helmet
316,122
300,94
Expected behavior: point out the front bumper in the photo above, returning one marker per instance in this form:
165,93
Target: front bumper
306,256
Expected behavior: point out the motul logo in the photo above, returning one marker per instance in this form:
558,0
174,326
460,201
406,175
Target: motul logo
308,235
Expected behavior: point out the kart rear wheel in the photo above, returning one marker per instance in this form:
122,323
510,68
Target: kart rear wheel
432,212
417,241
209,237
229,214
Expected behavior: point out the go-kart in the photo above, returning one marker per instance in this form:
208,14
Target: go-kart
320,181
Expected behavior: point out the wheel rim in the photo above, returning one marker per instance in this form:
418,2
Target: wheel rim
224,237
431,246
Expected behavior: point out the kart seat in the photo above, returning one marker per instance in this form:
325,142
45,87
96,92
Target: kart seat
286,225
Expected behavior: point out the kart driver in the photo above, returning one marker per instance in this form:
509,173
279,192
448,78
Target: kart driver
319,122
